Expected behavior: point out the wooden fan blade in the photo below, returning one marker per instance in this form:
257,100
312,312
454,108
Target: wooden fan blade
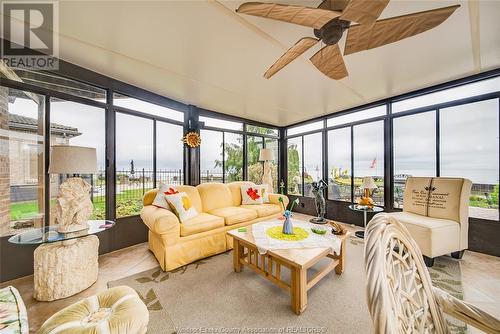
337,5
299,48
363,11
362,37
305,16
329,61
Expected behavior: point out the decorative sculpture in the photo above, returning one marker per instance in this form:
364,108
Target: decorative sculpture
74,207
192,139
319,199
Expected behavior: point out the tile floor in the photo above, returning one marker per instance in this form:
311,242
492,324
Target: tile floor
480,276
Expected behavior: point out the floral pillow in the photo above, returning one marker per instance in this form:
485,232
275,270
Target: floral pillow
160,201
251,195
181,205
265,192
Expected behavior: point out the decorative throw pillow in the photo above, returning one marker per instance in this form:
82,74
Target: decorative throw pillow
264,189
181,205
160,201
251,195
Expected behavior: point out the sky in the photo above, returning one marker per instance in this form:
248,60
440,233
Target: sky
469,141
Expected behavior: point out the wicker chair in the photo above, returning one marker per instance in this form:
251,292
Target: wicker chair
400,294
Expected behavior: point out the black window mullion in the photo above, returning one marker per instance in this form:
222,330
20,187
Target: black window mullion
388,161
46,150
352,163
302,160
438,144
154,153
245,153
223,157
110,135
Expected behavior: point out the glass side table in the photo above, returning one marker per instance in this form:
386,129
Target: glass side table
64,263
365,210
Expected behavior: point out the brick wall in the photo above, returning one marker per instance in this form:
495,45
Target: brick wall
4,163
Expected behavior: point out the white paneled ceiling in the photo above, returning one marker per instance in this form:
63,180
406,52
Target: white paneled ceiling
203,53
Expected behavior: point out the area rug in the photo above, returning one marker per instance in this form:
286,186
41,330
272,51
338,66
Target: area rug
209,297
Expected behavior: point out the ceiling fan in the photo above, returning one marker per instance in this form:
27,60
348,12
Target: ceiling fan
332,18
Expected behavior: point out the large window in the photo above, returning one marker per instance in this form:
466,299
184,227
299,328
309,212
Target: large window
469,148
78,124
169,153
414,150
313,161
339,164
305,163
368,152
211,156
22,161
294,154
255,168
233,157
273,145
134,162
147,107
447,95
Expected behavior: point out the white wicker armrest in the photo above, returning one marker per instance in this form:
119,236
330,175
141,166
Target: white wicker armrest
466,312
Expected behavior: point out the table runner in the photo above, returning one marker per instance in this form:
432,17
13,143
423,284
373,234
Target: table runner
265,243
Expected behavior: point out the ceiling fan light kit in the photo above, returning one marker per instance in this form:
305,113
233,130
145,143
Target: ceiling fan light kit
332,18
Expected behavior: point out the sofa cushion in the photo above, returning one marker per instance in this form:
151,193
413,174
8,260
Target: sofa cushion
214,196
181,205
263,210
234,215
235,188
434,236
201,223
193,194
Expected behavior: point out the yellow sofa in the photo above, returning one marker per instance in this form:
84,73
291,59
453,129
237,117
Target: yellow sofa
219,205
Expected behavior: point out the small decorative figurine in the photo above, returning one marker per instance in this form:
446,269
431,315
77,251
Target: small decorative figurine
319,199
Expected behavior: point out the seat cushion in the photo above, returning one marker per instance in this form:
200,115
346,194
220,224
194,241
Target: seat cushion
234,215
117,310
434,236
263,210
201,223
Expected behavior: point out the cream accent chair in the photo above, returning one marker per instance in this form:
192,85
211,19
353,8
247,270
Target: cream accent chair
400,295
175,244
439,223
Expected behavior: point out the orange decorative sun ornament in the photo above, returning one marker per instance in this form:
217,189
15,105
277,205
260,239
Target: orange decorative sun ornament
192,139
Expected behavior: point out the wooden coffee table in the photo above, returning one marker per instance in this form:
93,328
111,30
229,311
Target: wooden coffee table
298,260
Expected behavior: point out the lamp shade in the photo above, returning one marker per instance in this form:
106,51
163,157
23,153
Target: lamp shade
368,183
266,154
65,159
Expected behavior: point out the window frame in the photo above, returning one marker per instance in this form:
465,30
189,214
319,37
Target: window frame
388,120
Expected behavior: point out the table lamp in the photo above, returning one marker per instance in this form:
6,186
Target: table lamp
266,155
73,204
367,185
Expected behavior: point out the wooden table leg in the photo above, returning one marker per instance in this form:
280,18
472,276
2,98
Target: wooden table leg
339,269
298,289
237,252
